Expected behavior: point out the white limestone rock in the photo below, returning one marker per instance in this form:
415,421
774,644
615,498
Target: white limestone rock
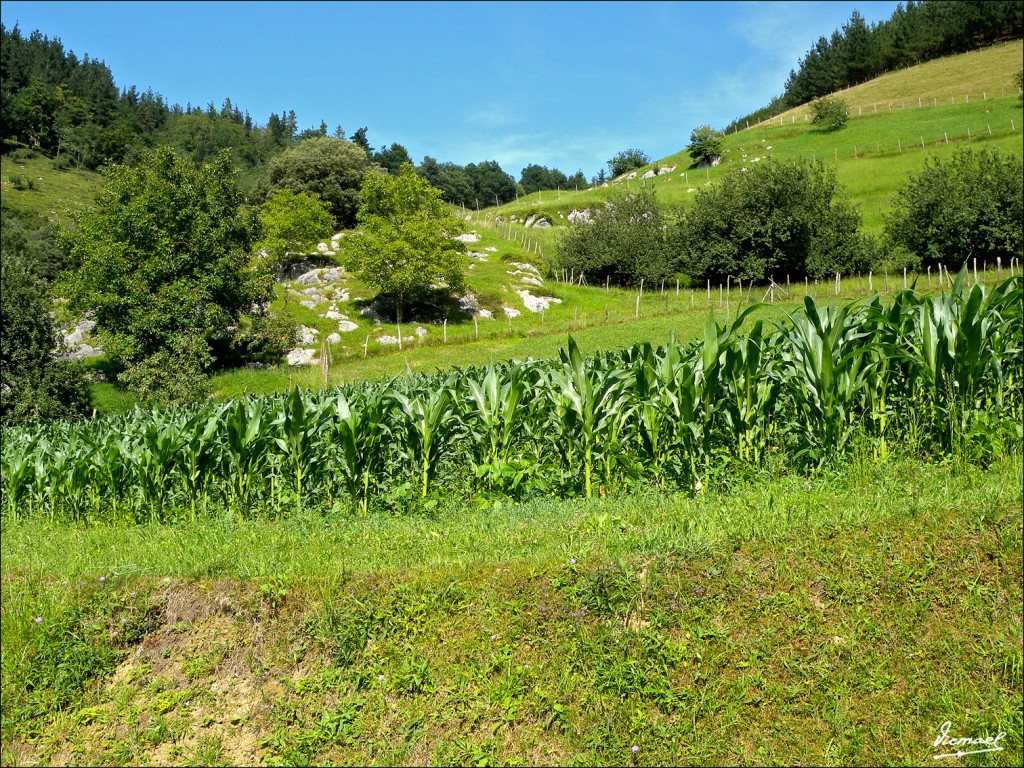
299,356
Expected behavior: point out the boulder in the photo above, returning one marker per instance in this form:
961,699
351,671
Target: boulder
537,303
509,312
649,174
346,326
307,335
299,356
542,223
421,332
469,237
334,338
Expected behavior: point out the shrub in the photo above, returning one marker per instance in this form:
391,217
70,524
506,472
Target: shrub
969,206
830,113
625,242
626,161
33,386
775,219
705,144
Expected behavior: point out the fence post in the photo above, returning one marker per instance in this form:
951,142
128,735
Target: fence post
999,267
476,328
904,278
444,329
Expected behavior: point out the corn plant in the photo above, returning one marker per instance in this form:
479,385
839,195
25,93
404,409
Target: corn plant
585,400
358,435
824,356
428,420
298,424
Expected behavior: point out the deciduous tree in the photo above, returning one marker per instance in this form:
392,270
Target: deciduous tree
405,239
165,266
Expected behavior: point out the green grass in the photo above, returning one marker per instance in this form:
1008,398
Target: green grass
55,194
828,620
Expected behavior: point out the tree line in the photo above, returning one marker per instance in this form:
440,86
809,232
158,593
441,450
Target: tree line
915,33
70,108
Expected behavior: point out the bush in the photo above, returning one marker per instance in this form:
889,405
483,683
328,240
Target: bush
830,113
329,168
625,242
265,339
33,385
969,206
705,144
626,161
773,220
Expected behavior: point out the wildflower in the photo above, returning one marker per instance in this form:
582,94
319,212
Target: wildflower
65,582
380,678
634,749
572,561
123,619
39,619
494,637
103,578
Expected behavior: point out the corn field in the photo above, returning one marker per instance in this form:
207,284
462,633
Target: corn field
939,374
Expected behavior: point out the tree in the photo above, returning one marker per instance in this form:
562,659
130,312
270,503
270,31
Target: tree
164,267
292,222
330,168
490,184
705,144
624,242
33,385
392,158
626,161
968,206
773,220
360,140
405,239
830,113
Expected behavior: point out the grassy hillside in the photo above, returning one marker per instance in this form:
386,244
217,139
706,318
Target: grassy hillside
54,194
970,94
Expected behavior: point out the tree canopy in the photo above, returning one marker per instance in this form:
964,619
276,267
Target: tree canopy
773,220
626,161
968,206
292,222
165,266
33,385
330,168
404,242
705,144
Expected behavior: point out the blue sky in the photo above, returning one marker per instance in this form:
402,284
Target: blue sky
565,85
